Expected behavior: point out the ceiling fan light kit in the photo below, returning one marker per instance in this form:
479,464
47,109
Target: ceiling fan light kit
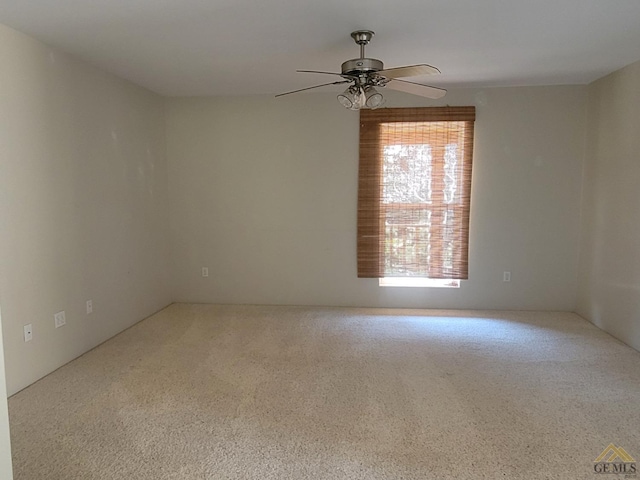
357,97
365,74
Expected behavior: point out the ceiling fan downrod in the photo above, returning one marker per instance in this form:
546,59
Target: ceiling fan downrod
362,38
362,65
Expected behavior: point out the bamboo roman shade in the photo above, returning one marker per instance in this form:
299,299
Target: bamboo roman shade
414,191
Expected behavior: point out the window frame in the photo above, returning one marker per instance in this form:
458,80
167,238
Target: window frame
371,207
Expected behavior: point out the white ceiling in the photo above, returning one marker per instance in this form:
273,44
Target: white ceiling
225,47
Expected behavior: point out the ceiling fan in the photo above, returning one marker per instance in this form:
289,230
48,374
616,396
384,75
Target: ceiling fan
367,74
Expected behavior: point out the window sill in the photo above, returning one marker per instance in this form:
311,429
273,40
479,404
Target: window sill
418,282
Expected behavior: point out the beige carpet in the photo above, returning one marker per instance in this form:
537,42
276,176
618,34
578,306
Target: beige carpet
239,392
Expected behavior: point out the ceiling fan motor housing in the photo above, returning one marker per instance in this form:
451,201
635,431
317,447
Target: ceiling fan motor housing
359,66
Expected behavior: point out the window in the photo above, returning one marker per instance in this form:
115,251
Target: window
414,193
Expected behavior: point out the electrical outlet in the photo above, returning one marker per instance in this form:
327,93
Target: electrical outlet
89,306
59,319
28,333
506,276
205,272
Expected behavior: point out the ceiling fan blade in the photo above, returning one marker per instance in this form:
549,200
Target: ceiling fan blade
316,86
416,88
316,71
343,75
408,71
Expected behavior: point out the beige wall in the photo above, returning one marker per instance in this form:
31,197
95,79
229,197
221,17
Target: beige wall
263,192
83,202
609,286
